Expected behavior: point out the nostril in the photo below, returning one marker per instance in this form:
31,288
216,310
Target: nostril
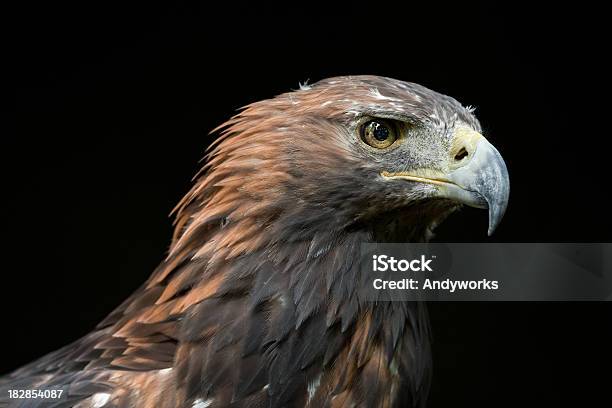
461,154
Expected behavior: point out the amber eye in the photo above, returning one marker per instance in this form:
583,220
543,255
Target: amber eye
378,133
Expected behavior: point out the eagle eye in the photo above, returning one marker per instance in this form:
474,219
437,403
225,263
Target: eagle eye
378,133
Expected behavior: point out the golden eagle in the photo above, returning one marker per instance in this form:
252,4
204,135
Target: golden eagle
256,304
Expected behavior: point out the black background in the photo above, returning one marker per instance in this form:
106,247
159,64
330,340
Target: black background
111,113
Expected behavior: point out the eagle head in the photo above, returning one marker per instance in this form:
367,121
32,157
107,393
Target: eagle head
357,152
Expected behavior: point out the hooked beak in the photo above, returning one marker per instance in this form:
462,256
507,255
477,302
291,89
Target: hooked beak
477,176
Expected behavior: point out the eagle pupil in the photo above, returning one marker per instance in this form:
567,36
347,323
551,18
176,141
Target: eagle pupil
381,133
